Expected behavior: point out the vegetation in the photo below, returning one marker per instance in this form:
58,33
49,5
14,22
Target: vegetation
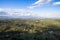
18,29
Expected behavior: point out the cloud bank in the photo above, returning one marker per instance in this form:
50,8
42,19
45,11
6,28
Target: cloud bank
14,12
18,13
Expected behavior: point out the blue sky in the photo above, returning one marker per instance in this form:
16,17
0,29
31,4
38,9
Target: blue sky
15,3
30,8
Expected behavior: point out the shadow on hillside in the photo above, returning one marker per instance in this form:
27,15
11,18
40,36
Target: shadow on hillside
16,35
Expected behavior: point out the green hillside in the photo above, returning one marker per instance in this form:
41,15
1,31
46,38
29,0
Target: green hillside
42,29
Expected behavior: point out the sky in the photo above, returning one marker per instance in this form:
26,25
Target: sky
30,8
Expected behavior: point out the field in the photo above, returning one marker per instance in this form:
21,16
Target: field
30,29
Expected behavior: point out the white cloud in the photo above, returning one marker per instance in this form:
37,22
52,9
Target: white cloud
22,12
40,2
56,3
15,12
